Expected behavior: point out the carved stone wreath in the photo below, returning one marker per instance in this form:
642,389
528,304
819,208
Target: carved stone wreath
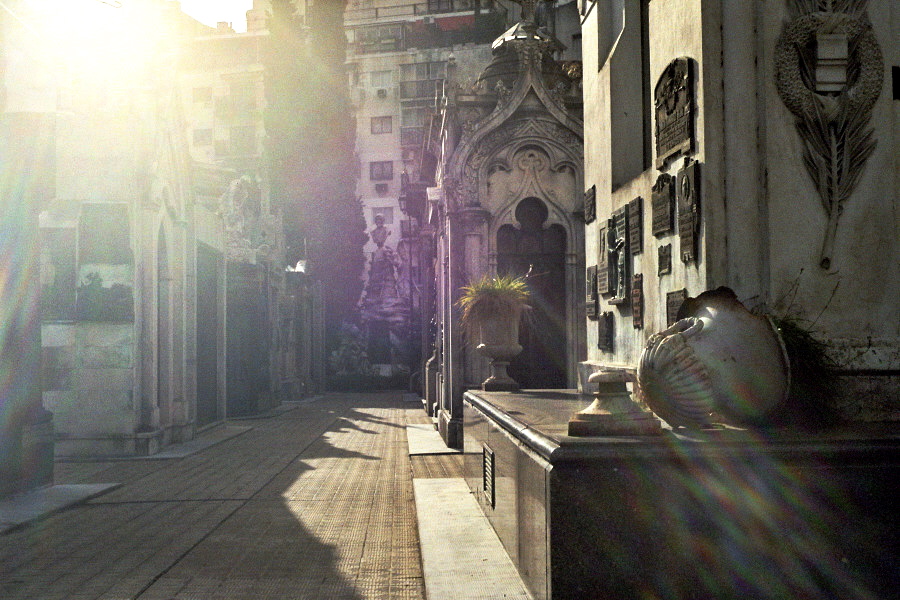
832,125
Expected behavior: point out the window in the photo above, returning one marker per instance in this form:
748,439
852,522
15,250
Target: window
203,137
385,211
381,125
243,140
381,170
381,79
414,116
203,94
425,70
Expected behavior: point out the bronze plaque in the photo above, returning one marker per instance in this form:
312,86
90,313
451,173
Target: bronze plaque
673,98
664,260
591,292
590,204
663,204
603,275
637,300
673,303
617,240
688,198
590,282
605,332
636,225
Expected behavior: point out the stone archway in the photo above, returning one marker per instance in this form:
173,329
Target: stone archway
539,251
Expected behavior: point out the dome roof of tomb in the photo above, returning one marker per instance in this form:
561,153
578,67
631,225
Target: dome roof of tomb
523,46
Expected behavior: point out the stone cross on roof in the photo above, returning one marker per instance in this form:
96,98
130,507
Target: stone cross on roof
529,8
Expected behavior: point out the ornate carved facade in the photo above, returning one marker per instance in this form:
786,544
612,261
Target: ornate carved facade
511,202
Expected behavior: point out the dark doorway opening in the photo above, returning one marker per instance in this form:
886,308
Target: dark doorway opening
207,335
539,252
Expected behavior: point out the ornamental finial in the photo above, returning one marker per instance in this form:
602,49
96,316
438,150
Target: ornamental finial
529,8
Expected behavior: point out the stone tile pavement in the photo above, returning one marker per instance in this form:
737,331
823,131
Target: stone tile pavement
315,502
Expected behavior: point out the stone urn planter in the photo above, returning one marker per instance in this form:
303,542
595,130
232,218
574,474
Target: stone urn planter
491,309
718,363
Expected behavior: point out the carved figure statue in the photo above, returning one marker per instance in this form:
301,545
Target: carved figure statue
380,233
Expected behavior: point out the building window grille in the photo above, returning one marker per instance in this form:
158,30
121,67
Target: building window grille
381,125
381,170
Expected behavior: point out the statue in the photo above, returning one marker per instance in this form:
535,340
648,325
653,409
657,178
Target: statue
380,233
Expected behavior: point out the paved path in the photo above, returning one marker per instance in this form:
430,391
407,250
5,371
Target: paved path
315,502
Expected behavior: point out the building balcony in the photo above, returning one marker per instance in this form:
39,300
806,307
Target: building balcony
413,9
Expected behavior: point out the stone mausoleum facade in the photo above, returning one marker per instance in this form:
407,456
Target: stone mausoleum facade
736,156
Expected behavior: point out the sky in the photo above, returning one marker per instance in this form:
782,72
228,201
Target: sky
210,12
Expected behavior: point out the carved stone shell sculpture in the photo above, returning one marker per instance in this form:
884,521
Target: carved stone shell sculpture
719,361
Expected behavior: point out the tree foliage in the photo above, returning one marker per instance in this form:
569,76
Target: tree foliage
311,137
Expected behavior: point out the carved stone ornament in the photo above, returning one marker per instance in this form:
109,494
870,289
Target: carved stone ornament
663,204
674,101
829,72
688,199
590,204
720,362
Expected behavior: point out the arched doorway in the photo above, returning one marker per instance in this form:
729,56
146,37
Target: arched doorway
539,251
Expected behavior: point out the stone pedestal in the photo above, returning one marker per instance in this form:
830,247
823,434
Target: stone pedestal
613,412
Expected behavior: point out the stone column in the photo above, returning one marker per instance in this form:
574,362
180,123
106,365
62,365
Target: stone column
465,233
27,149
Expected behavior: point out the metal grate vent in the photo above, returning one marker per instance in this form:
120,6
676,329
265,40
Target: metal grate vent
488,476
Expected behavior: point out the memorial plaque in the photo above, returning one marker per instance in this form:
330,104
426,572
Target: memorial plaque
673,303
663,204
590,204
674,102
664,260
603,274
605,326
617,239
591,293
636,225
637,301
688,197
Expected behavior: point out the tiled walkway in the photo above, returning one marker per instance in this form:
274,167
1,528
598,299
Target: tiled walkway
315,502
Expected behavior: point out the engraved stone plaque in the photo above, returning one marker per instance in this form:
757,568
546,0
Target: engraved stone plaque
636,225
664,260
673,303
605,332
637,301
590,204
688,197
673,98
663,204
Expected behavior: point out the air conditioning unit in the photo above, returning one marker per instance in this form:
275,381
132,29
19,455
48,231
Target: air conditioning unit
428,20
382,93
